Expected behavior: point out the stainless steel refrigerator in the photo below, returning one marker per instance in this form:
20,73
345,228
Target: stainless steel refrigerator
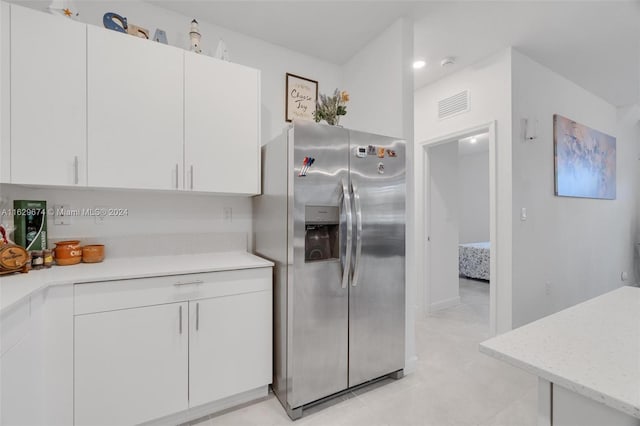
332,218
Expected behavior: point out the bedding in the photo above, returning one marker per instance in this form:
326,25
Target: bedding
473,259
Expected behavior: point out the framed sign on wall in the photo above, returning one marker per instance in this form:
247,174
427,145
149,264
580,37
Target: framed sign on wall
301,96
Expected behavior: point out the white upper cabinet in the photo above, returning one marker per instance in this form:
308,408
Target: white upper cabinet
48,99
83,105
135,108
222,126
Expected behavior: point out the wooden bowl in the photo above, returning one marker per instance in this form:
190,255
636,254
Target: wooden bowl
68,252
93,253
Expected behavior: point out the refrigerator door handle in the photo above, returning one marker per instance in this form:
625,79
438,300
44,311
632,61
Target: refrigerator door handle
358,208
346,199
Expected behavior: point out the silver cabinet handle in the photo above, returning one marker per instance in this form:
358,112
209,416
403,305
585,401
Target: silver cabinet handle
180,313
192,176
76,179
346,198
197,316
176,175
357,205
189,282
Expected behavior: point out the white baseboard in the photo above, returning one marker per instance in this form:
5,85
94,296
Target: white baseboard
211,408
410,364
443,304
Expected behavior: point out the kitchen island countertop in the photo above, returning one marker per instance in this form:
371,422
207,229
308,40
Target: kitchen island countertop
17,287
592,349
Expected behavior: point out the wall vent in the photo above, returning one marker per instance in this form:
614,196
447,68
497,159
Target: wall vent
453,105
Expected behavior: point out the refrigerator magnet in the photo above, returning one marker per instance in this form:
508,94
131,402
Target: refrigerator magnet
391,153
306,163
380,152
303,170
381,168
371,150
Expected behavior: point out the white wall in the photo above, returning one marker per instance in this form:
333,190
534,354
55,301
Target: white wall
633,116
489,84
149,213
375,79
274,61
473,197
637,263
579,246
629,129
444,216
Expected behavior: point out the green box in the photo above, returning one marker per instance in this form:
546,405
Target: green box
30,221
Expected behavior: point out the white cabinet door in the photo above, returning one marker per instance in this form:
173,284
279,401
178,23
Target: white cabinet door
21,384
131,365
48,99
21,374
222,126
229,346
135,108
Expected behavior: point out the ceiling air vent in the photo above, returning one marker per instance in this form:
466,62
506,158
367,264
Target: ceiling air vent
453,105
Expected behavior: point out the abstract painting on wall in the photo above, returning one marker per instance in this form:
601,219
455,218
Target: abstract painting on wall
585,160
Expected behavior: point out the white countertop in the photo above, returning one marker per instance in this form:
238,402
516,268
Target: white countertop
16,287
592,349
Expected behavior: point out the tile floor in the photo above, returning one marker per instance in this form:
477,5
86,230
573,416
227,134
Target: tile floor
453,384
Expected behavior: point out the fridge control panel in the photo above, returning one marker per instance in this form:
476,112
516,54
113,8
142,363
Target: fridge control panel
317,215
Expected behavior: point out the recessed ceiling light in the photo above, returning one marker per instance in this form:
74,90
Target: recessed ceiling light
419,64
473,140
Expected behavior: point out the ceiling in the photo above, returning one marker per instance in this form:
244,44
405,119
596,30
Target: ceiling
330,30
596,44
466,147
593,43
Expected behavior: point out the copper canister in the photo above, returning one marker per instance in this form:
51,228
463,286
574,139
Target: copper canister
68,252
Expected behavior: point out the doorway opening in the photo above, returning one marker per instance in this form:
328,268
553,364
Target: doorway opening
459,226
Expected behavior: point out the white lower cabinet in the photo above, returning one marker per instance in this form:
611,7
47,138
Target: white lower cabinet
20,365
131,365
229,346
191,341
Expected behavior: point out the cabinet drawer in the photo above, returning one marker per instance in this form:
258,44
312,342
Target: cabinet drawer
122,294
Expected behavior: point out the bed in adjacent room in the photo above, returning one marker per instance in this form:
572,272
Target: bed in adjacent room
474,260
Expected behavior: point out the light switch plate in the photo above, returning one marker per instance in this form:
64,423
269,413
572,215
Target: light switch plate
62,214
227,214
100,214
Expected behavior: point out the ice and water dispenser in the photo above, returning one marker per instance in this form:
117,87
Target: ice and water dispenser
321,233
